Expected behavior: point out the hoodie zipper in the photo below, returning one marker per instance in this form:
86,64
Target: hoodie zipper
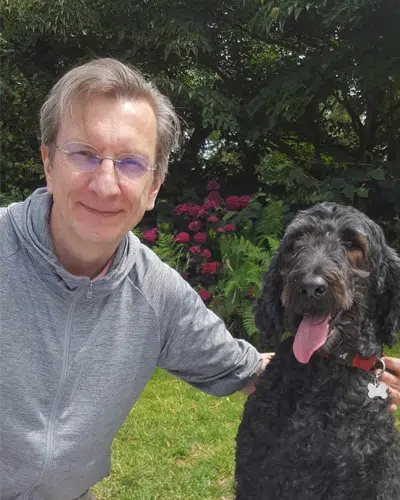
61,384
89,294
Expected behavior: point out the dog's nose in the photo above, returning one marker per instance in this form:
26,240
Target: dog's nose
313,287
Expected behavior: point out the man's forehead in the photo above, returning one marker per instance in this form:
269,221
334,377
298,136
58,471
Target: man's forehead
129,124
79,109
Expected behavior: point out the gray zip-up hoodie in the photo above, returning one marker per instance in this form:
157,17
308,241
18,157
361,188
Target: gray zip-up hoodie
75,354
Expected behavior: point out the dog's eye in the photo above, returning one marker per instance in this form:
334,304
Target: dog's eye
349,245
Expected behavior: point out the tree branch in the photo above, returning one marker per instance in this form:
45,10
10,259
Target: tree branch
355,119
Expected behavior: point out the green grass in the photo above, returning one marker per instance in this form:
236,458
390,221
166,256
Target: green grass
177,444
394,352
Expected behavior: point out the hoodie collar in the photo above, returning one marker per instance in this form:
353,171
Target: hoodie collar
31,223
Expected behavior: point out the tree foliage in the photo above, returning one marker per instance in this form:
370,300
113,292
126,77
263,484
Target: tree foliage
299,97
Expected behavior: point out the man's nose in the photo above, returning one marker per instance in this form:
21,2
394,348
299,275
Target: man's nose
105,180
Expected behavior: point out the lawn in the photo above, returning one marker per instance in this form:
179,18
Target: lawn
176,444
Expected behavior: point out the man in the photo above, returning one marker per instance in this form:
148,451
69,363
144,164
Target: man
87,312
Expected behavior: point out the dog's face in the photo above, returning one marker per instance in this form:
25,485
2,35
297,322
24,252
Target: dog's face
334,283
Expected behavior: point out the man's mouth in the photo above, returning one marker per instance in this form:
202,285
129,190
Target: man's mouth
104,213
311,335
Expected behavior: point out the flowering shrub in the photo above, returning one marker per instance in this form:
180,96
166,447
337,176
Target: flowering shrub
194,249
189,209
182,238
237,202
150,236
222,248
195,225
213,185
209,268
200,237
204,294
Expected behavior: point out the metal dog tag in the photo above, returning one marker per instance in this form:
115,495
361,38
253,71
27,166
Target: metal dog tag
377,390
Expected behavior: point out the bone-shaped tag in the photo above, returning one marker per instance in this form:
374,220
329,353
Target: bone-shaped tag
377,391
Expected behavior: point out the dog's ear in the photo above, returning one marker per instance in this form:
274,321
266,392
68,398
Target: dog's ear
389,297
269,314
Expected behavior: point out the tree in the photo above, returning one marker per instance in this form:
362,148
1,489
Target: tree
293,94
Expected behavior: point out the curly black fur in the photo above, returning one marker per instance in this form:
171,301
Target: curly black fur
310,431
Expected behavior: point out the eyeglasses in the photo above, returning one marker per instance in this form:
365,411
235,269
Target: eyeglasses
86,158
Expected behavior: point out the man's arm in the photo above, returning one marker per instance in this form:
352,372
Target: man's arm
266,358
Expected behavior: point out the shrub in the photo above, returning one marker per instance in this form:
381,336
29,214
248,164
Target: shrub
222,247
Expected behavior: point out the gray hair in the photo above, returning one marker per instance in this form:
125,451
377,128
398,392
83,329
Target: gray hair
110,76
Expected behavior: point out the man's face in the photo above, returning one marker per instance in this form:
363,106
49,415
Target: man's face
100,206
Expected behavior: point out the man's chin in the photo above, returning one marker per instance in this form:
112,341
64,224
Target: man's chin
100,234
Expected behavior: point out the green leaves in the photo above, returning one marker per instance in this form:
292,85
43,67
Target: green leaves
246,258
241,277
378,174
170,251
362,192
299,98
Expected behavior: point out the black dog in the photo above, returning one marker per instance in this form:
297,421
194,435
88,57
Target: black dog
318,426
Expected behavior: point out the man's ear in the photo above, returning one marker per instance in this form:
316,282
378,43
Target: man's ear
47,167
152,195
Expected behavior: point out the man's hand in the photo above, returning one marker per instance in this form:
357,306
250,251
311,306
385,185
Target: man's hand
392,379
265,358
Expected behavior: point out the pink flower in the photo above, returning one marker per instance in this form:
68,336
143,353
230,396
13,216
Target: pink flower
204,294
193,210
180,209
206,253
209,268
212,218
187,209
150,235
229,227
182,238
200,237
195,225
244,200
233,203
214,196
194,249
220,229
209,204
202,213
213,185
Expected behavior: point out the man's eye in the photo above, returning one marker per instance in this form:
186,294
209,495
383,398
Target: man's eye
88,154
131,161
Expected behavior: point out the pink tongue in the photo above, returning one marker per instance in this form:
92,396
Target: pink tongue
311,335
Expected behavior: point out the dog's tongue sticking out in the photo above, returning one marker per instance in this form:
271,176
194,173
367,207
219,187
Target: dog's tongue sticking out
311,335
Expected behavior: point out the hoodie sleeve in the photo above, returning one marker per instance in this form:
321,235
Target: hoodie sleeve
196,346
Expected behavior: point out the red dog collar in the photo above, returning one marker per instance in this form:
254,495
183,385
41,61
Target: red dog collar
358,361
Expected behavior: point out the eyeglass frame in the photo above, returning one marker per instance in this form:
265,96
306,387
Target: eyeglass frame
102,158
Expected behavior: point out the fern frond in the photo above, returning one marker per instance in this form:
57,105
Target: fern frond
271,223
170,252
247,311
